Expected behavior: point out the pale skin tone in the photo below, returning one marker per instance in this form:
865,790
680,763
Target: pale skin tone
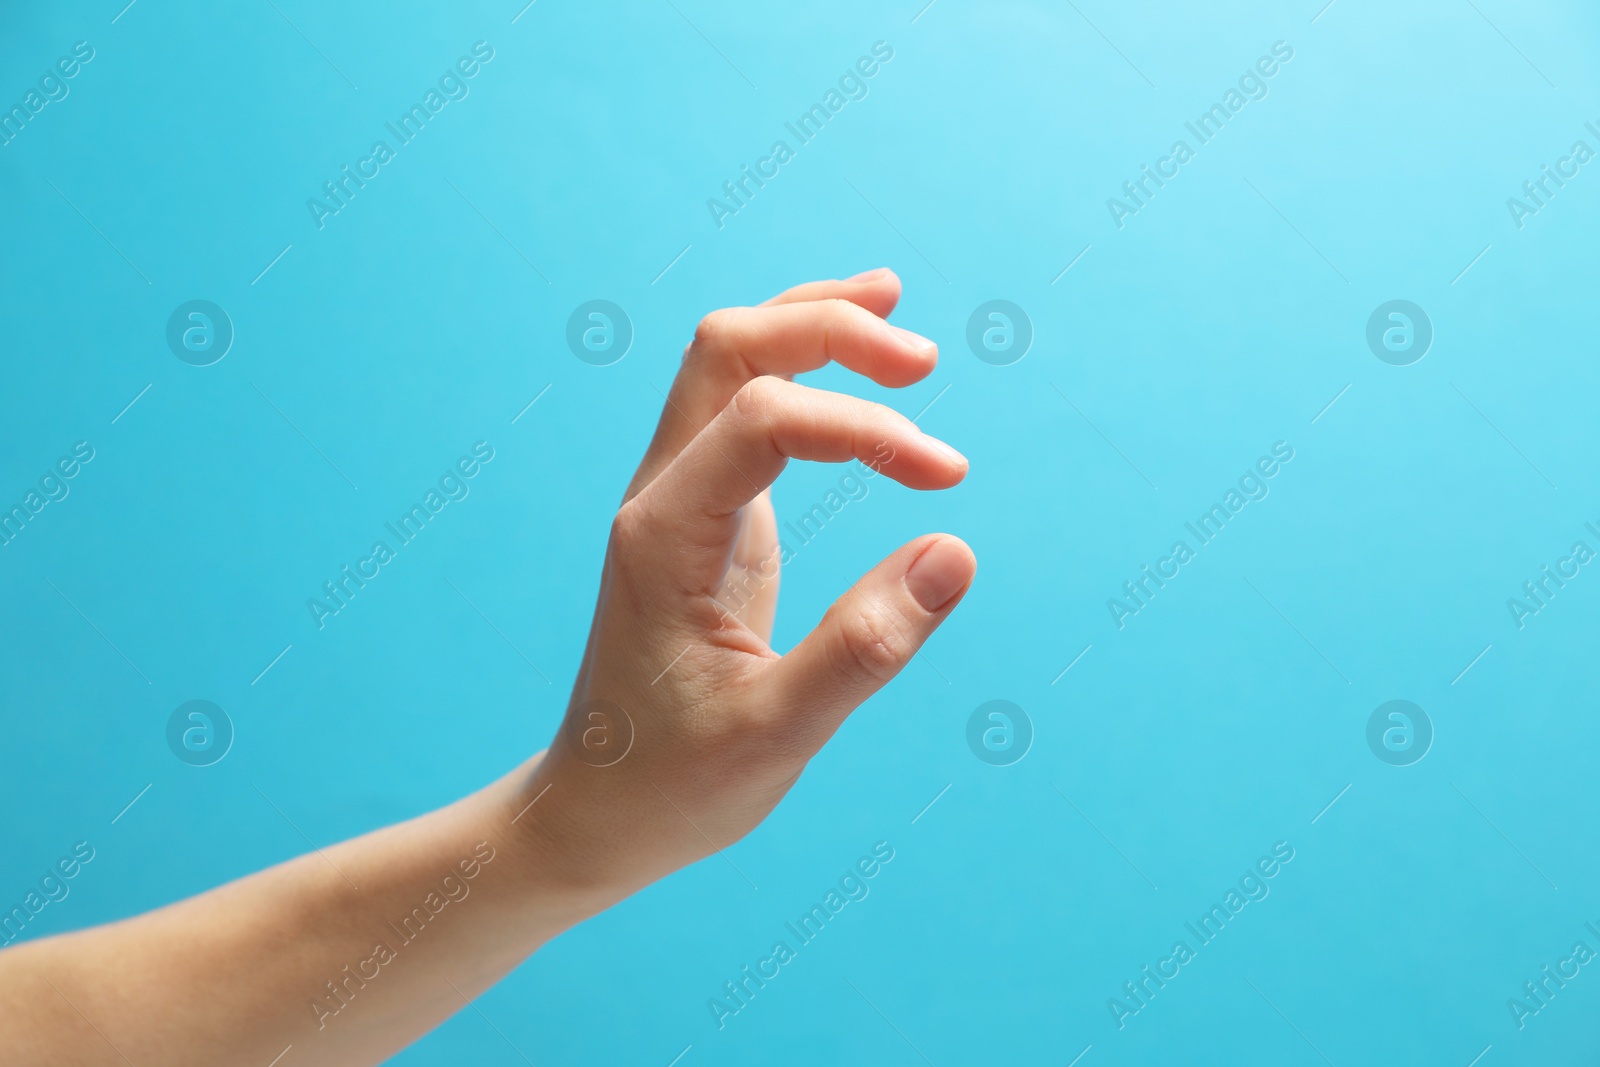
236,974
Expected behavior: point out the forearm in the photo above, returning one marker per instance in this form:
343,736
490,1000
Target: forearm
684,730
348,953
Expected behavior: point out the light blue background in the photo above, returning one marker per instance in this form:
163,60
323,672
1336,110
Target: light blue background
1220,319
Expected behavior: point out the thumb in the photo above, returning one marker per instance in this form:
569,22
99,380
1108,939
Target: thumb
870,633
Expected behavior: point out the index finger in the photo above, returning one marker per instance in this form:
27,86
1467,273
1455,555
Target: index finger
694,505
787,335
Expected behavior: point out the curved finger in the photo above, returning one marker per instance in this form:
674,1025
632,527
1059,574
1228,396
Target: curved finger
695,501
734,345
876,290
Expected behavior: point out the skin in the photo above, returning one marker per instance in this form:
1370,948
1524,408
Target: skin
684,730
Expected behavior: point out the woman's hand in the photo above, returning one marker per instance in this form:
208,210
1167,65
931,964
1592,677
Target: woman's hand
685,728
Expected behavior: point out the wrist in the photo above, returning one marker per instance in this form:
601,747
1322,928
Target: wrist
561,860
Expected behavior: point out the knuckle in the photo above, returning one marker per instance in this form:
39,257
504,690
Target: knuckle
839,324
839,308
882,415
715,326
757,398
629,527
871,644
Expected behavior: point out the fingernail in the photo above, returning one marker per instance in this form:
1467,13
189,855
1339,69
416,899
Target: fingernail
946,451
869,275
942,571
919,344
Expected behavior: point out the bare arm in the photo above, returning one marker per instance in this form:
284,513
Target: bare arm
348,954
684,730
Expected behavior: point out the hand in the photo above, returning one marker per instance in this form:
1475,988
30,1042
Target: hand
685,728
